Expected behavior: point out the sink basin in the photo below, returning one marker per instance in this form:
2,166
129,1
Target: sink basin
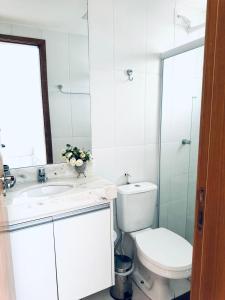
45,190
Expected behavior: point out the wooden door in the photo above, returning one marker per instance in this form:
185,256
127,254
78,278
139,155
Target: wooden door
6,277
208,279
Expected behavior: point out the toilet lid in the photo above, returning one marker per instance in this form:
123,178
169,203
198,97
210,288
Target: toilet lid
165,249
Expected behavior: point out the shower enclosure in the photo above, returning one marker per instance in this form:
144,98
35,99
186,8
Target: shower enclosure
181,105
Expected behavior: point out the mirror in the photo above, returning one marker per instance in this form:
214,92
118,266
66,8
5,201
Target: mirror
44,79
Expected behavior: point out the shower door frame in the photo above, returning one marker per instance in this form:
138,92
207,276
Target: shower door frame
168,54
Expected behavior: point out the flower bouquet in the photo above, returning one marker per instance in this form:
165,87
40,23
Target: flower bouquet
77,158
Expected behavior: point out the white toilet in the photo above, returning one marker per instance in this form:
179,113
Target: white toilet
160,254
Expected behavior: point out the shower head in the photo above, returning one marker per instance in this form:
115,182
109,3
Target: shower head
185,20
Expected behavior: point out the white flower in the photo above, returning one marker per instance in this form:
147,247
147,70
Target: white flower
68,155
82,155
79,163
63,152
67,160
73,162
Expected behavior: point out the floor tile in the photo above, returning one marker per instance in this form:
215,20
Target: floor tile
104,295
180,287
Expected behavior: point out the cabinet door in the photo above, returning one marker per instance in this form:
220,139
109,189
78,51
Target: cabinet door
83,254
33,258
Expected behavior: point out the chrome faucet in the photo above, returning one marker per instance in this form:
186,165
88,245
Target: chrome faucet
41,175
8,180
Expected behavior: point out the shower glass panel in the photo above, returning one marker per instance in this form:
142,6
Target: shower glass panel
181,105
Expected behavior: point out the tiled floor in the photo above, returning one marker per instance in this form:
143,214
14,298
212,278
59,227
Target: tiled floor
104,295
138,294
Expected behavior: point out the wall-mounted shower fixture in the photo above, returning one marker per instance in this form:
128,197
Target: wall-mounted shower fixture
60,88
130,74
186,142
186,23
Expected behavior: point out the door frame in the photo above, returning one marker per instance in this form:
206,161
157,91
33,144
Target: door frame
7,288
209,243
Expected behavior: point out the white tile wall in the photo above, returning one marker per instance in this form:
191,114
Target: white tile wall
104,162
60,114
78,63
152,109
5,28
130,109
101,34
128,34
160,26
130,160
81,115
26,31
57,46
119,126
102,108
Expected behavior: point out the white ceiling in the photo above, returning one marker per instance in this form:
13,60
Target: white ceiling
62,15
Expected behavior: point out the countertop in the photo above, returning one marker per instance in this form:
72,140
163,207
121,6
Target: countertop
86,192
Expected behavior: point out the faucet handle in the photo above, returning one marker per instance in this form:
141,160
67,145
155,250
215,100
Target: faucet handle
41,171
5,168
41,175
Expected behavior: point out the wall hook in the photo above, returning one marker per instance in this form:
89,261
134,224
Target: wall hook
130,74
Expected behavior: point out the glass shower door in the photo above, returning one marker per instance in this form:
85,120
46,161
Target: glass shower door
181,104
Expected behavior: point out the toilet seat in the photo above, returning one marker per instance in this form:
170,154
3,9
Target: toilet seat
164,253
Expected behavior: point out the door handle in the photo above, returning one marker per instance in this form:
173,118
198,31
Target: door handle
201,209
186,142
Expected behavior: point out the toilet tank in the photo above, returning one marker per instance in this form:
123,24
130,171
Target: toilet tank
136,206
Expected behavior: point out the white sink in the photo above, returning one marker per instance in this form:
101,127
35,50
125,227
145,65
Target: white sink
42,190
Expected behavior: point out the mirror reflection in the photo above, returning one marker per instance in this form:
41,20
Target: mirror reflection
46,91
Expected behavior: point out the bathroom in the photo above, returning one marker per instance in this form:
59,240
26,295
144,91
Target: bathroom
119,82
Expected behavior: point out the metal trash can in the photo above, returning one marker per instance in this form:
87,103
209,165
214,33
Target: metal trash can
122,290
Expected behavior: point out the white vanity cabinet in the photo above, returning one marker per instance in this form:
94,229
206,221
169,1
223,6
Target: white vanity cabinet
84,255
33,259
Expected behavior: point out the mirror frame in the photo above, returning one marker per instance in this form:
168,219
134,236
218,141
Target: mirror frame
44,84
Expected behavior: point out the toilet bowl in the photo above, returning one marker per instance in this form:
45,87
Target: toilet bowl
163,255
160,255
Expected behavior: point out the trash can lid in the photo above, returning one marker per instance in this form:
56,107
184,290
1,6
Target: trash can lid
123,263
